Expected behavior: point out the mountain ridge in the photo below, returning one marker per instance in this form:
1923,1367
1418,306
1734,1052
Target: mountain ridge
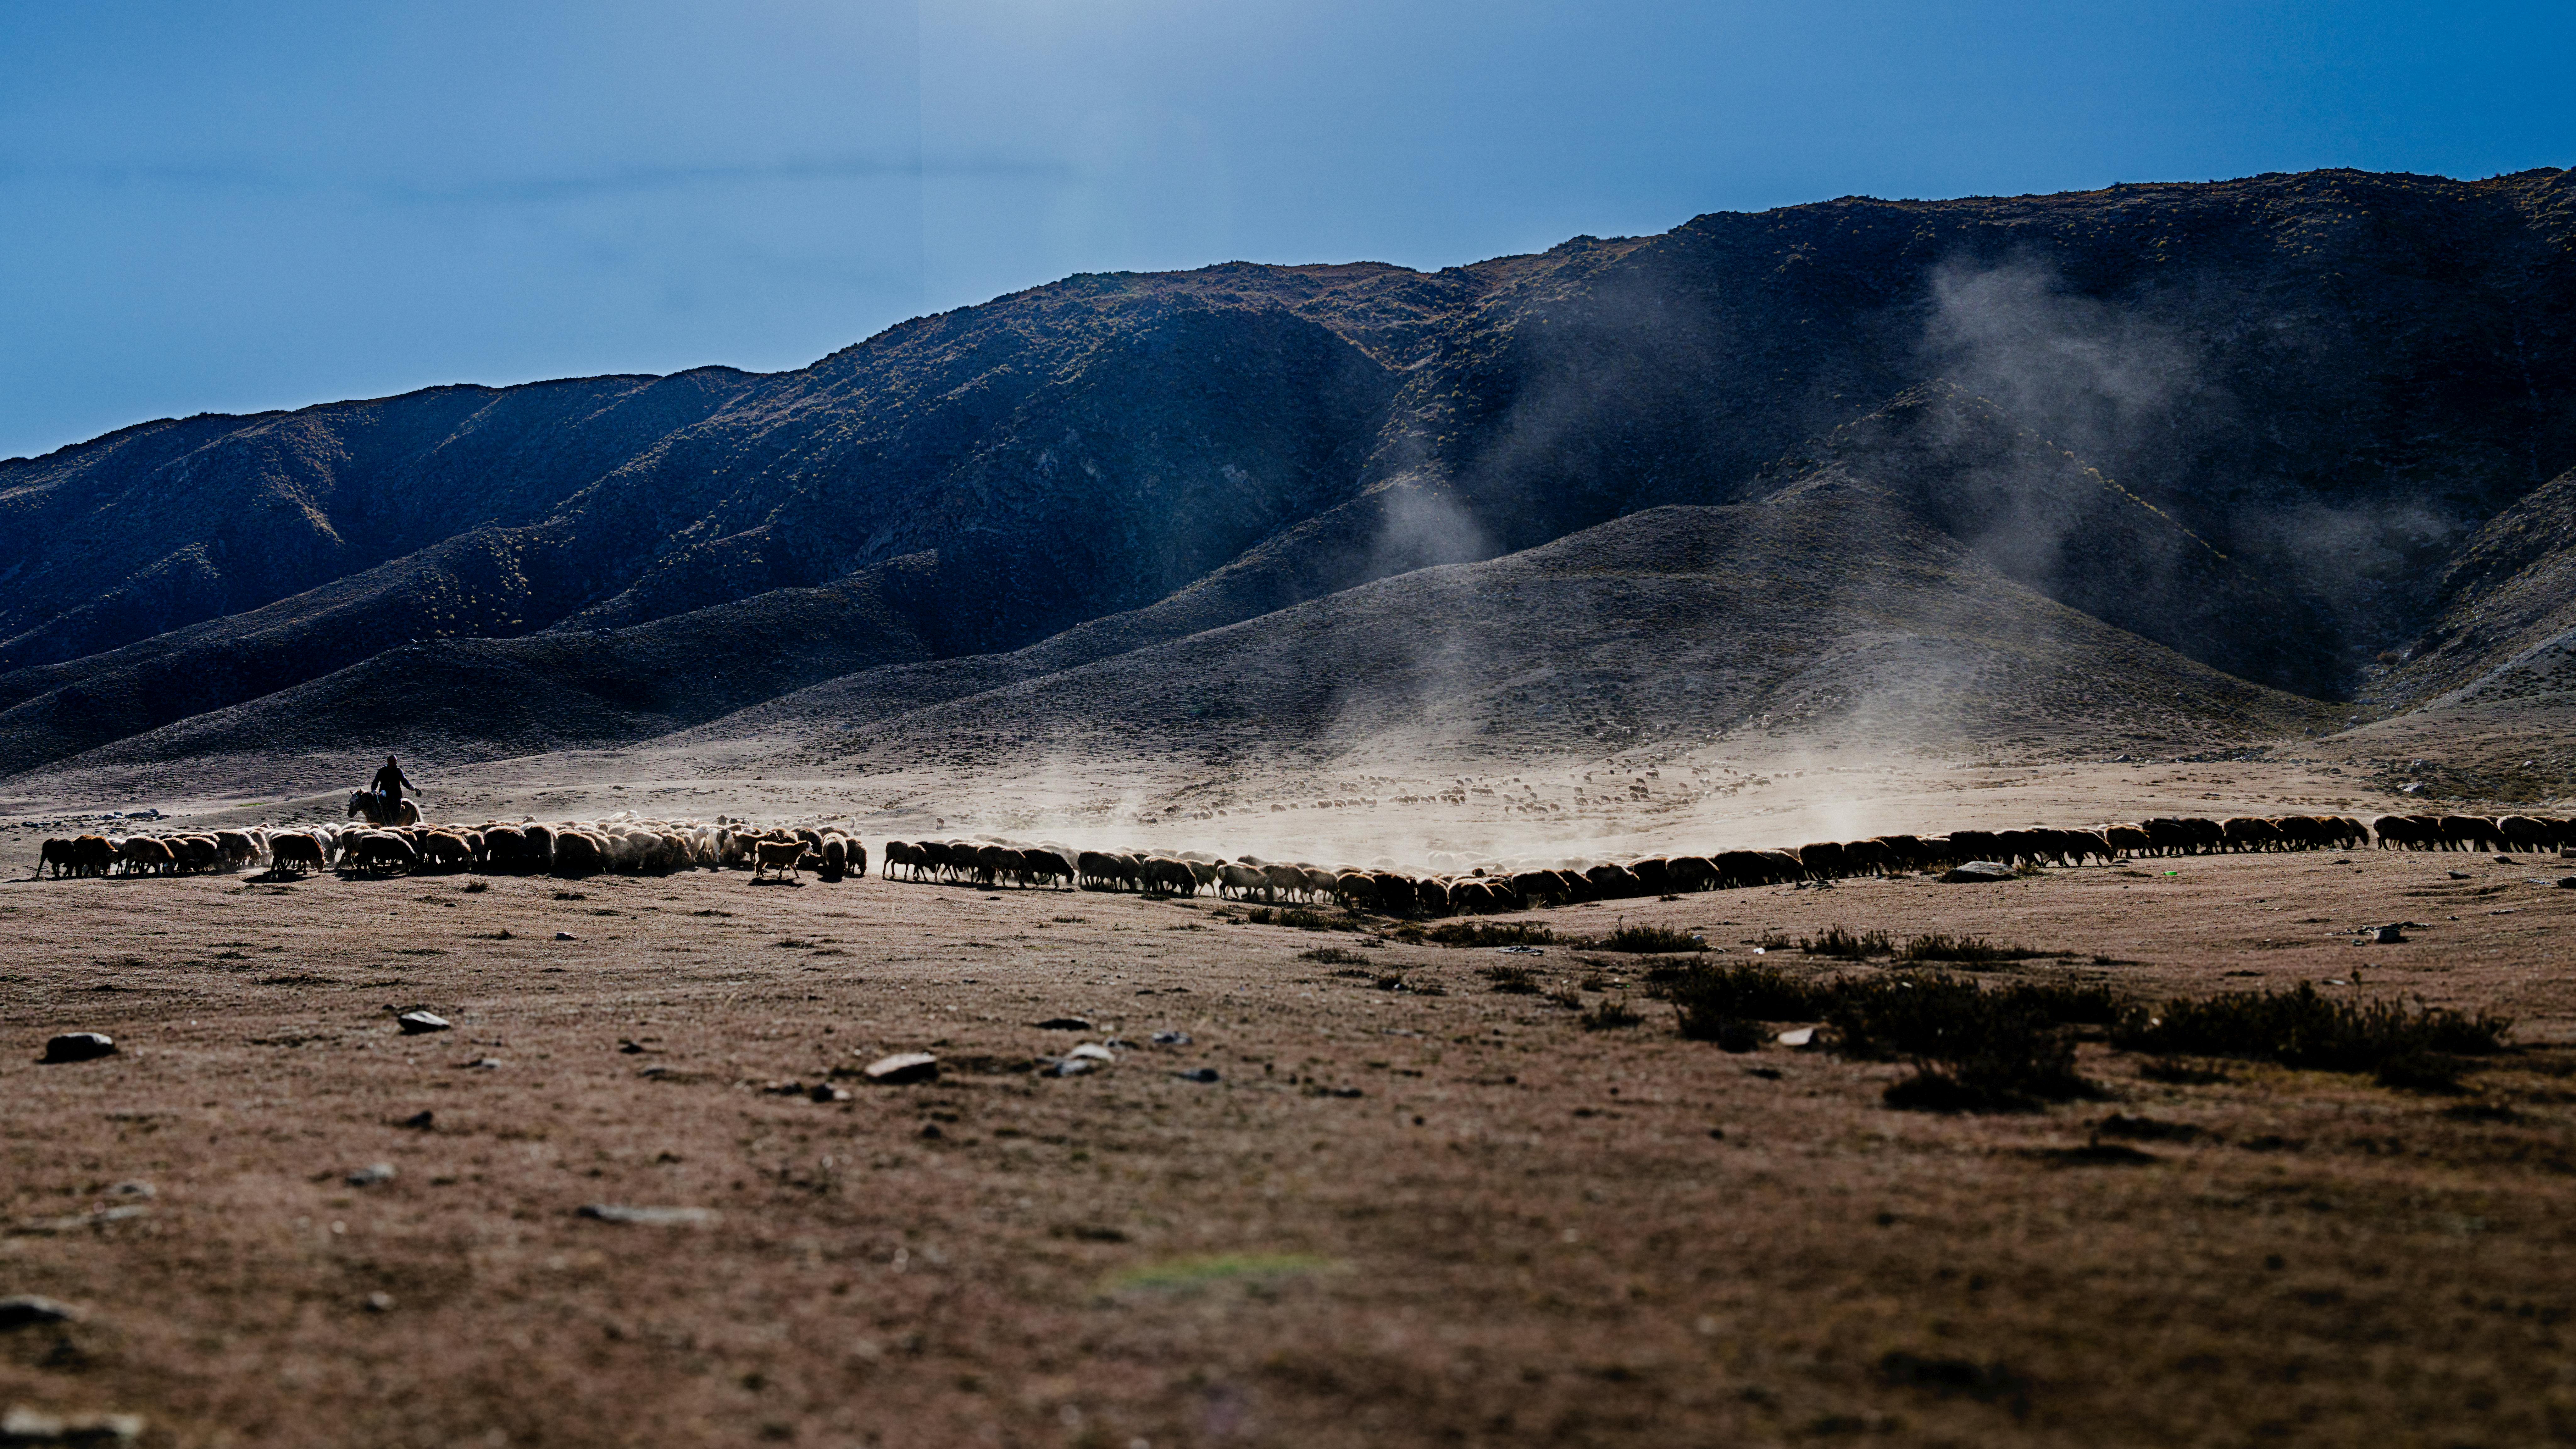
2326,382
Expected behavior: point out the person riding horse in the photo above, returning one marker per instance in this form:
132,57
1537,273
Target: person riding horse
389,785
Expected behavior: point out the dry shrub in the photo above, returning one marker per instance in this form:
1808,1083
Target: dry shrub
1850,945
1647,940
1973,1050
1965,950
1481,933
2305,1029
1512,980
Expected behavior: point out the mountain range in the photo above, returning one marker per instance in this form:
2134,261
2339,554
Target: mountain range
2164,467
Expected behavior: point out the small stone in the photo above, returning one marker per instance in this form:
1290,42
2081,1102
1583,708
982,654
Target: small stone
1171,1038
826,1092
480,1064
1091,1051
415,1023
80,1046
902,1068
1064,1023
27,1426
27,1310
659,1217
418,1121
1201,1075
1803,1036
2567,882
1978,870
371,1174
2458,874
133,1189
565,936
1071,1067
2388,936
930,1132
380,1303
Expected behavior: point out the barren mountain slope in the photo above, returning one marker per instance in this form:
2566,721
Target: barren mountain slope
2327,380
1828,614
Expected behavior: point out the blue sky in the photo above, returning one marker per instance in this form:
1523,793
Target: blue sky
229,207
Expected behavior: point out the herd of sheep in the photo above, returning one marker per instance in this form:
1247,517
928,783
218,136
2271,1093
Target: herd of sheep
650,846
567,848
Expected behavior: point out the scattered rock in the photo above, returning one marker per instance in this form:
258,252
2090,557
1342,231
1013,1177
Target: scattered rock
1071,1067
416,1023
418,1121
80,1046
1091,1051
565,936
29,1311
2567,882
380,1303
371,1174
2457,874
480,1064
902,1068
1064,1023
1802,1037
826,1092
659,1217
1977,870
1199,1074
1182,1038
1119,1044
930,1132
2389,936
27,1426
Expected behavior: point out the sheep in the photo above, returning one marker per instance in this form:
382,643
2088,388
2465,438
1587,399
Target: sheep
782,856
295,850
381,850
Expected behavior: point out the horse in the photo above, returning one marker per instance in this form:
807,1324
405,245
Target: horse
372,805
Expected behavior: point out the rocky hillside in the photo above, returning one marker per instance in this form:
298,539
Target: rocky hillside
2258,423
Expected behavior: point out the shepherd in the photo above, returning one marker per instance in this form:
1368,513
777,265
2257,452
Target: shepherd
383,801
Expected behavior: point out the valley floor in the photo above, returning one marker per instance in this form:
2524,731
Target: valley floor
1408,1208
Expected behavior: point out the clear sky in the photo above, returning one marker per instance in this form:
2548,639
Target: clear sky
208,205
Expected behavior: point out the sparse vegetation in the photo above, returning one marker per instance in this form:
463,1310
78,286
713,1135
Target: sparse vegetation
1645,940
2306,1029
1511,980
1611,1014
1965,950
1294,919
1484,933
1848,944
1330,956
1973,1050
477,887
1707,1001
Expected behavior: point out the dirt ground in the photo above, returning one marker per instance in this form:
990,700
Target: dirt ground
1427,1215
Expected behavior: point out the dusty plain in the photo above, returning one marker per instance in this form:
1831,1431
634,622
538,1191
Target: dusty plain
1409,1209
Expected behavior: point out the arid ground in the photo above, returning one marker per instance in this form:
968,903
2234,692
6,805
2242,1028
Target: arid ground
1408,1208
